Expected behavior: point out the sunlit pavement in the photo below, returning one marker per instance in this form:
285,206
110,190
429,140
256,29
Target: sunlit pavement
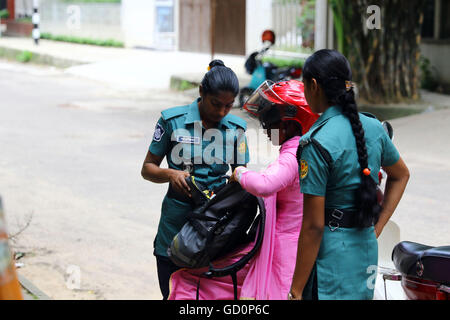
72,151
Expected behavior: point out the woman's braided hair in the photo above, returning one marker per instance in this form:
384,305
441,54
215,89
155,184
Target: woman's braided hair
332,71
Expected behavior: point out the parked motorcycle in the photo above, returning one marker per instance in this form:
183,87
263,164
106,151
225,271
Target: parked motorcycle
409,270
262,71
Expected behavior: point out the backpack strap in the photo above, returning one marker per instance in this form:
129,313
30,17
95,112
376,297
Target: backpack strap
235,286
323,152
310,140
197,293
235,267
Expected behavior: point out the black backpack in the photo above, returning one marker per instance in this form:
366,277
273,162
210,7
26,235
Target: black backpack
216,226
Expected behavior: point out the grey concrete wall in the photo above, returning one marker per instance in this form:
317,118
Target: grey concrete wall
438,53
90,20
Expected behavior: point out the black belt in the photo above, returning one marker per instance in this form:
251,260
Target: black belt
343,218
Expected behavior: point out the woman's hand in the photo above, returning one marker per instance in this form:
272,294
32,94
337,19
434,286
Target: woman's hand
308,242
234,177
152,172
295,295
177,179
397,179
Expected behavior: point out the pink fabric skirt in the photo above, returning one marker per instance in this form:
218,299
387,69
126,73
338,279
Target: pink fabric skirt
184,282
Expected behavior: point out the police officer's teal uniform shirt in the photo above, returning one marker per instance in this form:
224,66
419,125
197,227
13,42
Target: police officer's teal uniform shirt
180,137
346,263
339,182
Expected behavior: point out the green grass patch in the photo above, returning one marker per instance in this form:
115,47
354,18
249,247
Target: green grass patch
24,56
24,19
89,41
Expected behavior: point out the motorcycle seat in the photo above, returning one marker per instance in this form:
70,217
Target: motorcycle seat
421,261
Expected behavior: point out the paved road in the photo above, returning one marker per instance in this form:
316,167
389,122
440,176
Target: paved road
71,154
125,67
72,151
424,142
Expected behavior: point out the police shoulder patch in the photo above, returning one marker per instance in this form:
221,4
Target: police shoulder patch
159,132
242,147
303,169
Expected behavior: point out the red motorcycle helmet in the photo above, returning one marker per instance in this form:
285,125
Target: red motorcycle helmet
268,35
281,101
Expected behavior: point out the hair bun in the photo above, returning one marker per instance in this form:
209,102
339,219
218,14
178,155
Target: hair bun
216,63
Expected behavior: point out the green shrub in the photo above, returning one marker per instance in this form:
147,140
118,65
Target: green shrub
280,62
427,77
186,85
4,14
24,56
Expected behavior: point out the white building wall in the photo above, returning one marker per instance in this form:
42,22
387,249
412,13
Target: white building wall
140,19
138,22
258,19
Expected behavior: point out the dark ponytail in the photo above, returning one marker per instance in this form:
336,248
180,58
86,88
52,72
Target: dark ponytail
220,78
332,71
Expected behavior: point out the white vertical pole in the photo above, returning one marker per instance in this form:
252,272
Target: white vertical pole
36,20
320,36
330,29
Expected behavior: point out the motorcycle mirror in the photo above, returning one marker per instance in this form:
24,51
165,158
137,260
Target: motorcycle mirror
388,128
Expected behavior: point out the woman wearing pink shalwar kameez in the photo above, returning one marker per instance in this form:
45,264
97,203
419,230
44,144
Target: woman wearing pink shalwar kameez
282,109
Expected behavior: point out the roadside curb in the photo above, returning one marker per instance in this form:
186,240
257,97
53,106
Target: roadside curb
39,58
184,82
32,289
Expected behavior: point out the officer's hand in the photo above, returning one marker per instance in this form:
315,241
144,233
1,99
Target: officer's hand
378,229
233,177
178,182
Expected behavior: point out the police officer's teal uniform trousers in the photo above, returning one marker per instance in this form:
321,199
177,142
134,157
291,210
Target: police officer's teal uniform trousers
180,137
345,267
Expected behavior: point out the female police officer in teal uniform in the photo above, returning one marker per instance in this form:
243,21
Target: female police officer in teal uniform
340,158
201,139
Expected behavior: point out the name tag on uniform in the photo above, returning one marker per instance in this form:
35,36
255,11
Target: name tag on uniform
188,139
